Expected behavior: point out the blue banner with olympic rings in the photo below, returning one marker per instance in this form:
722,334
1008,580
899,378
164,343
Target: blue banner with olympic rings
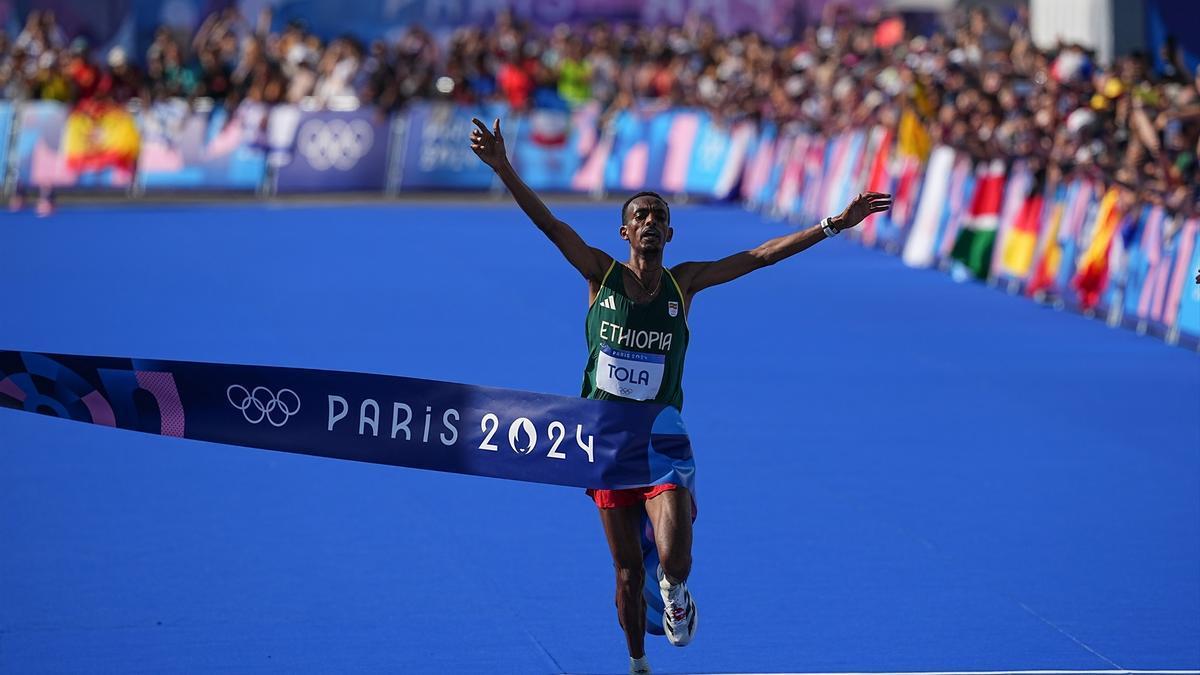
327,150
400,421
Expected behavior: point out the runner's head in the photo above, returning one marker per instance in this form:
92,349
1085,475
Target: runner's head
646,222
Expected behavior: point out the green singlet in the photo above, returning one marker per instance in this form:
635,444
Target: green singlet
635,352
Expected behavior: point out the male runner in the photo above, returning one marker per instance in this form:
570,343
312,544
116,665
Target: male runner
637,335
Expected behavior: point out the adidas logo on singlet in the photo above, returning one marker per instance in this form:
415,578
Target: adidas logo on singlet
609,303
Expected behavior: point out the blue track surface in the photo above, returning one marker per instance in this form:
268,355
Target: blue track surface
896,472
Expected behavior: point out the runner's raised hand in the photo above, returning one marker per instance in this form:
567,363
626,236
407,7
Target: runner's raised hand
862,206
489,145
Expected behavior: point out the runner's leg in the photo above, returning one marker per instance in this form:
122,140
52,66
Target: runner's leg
621,528
671,515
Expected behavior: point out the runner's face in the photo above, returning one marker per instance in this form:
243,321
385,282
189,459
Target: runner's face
647,225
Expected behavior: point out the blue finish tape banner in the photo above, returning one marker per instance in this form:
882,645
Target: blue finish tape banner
400,421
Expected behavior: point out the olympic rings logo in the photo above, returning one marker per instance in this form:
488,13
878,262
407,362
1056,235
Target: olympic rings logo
260,404
334,144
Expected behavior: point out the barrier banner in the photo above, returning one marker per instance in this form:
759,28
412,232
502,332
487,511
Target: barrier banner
551,146
815,172
327,150
57,147
382,419
641,145
436,153
1189,301
787,196
1160,255
184,148
1144,262
770,165
717,155
1182,274
758,166
6,120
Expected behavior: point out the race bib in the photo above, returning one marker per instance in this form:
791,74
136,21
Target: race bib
627,374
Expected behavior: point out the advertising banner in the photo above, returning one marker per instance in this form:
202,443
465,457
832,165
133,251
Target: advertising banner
718,154
185,148
6,120
552,145
328,151
436,152
640,150
1189,301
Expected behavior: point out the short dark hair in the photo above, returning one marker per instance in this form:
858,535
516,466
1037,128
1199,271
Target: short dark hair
645,193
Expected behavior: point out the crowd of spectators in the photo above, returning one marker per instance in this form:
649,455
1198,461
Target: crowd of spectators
979,84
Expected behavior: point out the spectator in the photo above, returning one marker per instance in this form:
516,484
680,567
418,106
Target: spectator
979,84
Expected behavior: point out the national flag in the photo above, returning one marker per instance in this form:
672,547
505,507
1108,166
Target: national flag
962,187
879,179
1092,272
919,247
99,138
1016,193
1017,258
890,232
973,246
1048,253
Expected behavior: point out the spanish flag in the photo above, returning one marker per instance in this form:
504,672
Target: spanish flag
1091,275
101,137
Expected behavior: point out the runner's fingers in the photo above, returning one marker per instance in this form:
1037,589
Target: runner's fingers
483,130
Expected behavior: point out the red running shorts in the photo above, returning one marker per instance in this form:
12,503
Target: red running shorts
615,499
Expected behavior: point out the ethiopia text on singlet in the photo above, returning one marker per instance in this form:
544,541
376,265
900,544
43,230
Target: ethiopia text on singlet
636,352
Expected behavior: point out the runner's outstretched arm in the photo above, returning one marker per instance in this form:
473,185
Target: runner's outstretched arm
591,262
696,276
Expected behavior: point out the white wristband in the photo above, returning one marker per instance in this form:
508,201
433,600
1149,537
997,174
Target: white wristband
828,228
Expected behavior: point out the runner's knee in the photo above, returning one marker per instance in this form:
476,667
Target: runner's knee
676,562
630,580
